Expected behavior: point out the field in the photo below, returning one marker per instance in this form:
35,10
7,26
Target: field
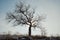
21,37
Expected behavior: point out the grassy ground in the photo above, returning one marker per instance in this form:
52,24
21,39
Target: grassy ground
20,37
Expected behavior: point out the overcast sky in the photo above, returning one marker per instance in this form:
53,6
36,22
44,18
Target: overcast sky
49,7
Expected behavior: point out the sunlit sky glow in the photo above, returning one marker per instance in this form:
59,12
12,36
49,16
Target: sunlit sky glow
49,7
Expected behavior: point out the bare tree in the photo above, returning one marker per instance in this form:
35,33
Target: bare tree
24,15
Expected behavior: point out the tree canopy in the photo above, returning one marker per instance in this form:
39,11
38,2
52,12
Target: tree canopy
24,14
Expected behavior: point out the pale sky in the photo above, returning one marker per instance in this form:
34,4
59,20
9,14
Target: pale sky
49,7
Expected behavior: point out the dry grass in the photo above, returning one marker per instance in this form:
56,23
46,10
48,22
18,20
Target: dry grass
15,37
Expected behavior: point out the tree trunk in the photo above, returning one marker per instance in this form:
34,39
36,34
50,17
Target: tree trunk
30,30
